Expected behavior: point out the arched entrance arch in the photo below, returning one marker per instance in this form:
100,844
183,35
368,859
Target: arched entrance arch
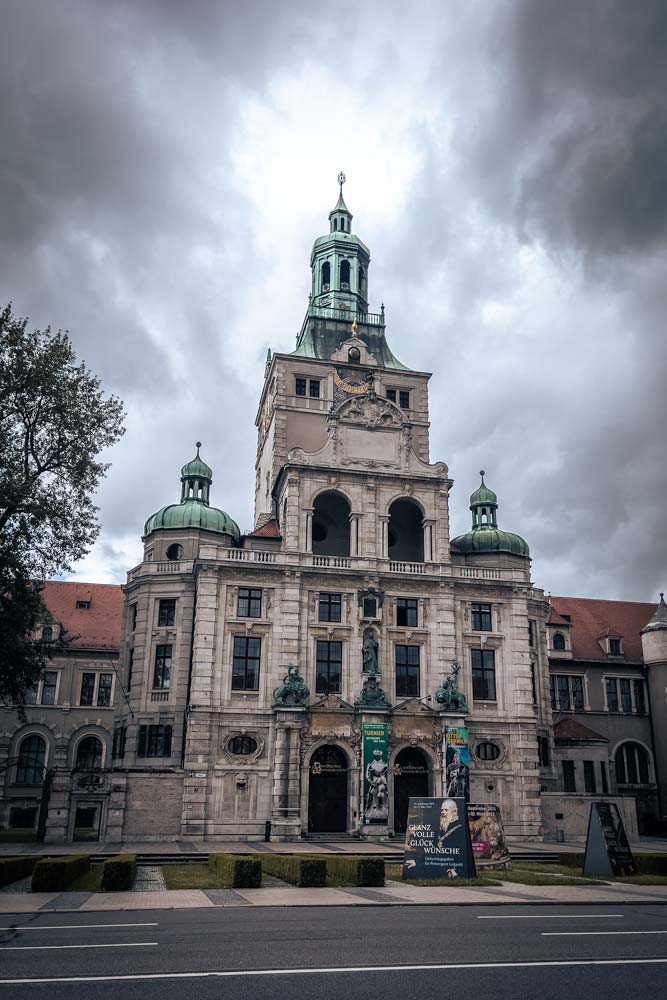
406,532
412,778
328,790
331,525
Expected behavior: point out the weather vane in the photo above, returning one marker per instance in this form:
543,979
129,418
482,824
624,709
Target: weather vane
341,181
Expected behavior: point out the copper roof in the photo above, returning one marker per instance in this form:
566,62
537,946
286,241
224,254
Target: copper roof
591,619
95,627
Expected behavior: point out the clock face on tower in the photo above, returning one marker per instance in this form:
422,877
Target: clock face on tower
353,381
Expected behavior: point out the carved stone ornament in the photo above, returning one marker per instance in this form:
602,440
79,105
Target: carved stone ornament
369,410
448,696
293,691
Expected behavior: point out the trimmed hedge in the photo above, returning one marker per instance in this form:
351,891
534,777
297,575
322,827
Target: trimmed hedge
357,871
12,869
118,874
299,869
55,874
236,872
647,864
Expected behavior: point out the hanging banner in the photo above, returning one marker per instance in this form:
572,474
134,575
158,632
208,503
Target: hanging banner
437,840
487,834
457,762
376,788
607,848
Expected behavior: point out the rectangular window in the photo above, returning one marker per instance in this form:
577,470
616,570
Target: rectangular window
612,695
407,671
370,607
391,395
250,603
330,608
603,775
614,647
154,741
531,632
119,738
533,683
577,688
130,666
406,612
543,750
245,666
49,684
166,613
301,387
133,617
567,692
589,777
162,671
483,674
481,617
626,695
569,780
30,696
314,388
640,703
104,690
329,667
404,400
83,605
87,689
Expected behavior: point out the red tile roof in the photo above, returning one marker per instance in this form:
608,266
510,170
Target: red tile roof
591,619
555,619
96,627
570,729
268,530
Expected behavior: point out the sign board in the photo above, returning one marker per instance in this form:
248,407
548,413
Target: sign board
376,787
437,840
489,846
607,848
457,762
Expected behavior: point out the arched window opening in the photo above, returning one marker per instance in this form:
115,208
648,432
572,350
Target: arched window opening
47,634
32,754
345,276
336,225
362,282
331,525
89,754
484,519
631,765
406,535
174,551
326,276
559,641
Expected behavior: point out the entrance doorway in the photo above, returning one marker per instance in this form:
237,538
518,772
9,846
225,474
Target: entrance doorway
327,791
410,781
87,821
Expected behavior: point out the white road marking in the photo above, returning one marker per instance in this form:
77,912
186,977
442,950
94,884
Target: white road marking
143,976
594,933
71,927
70,947
553,916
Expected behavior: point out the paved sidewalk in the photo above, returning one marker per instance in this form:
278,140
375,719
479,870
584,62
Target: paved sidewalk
394,893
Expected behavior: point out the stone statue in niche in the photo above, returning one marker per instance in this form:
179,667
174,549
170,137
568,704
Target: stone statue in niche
370,652
448,696
293,691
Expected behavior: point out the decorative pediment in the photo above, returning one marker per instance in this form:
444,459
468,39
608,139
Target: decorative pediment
370,411
413,706
331,703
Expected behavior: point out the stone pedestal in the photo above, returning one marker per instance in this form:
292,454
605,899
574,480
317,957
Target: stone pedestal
286,786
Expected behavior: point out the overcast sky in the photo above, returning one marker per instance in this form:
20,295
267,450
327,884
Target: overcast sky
166,165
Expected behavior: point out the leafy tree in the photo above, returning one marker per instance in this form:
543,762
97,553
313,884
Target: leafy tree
54,422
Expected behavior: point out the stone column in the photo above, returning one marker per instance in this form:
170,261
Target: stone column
427,526
384,545
308,540
354,534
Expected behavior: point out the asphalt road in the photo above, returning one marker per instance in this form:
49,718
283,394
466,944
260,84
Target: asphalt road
328,952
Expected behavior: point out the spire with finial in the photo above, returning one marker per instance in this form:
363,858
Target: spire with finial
659,619
340,218
196,478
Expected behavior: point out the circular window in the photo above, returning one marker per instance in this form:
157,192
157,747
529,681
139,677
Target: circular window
242,746
487,751
175,551
354,355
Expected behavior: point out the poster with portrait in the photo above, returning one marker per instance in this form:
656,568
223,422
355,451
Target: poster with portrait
457,762
489,845
437,840
376,787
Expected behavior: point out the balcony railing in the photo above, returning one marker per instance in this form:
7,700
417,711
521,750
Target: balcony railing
346,315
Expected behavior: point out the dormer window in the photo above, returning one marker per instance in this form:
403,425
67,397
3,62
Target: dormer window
615,647
82,605
559,642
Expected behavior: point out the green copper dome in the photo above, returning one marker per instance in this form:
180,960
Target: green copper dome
194,510
486,536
